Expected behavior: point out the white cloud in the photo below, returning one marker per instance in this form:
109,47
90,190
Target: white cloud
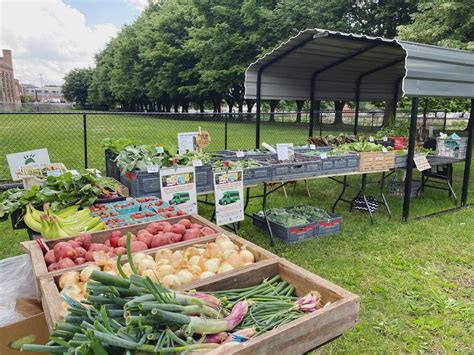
50,38
138,4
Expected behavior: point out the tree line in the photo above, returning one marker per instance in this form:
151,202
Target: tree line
183,53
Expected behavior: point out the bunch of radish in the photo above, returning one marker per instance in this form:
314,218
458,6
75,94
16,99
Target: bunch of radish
81,249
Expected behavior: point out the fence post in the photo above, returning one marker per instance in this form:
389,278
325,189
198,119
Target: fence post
84,129
225,131
444,122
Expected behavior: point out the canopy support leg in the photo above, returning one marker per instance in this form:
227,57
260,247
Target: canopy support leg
411,154
467,163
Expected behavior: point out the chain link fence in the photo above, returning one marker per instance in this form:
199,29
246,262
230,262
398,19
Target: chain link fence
75,138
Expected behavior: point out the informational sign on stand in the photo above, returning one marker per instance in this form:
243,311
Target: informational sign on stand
187,142
421,162
32,157
285,151
178,188
229,196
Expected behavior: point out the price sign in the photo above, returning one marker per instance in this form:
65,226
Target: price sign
384,149
385,139
239,154
371,139
197,162
421,162
55,173
186,142
203,139
324,155
285,151
312,146
160,150
152,169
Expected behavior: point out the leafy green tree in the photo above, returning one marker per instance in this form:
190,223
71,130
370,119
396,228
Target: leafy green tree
100,93
76,85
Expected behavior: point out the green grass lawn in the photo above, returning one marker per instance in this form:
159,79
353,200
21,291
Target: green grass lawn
415,280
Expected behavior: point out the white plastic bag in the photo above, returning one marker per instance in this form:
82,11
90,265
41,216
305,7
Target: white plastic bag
17,280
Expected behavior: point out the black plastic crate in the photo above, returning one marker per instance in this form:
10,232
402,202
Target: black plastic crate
204,176
328,226
397,188
287,171
111,168
306,149
232,155
400,161
144,183
340,164
253,176
288,235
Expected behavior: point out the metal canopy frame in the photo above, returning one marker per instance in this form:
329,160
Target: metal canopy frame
373,43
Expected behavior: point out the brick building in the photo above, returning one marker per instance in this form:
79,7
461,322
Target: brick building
9,87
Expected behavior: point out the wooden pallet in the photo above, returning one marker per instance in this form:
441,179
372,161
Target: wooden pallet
376,161
49,283
36,254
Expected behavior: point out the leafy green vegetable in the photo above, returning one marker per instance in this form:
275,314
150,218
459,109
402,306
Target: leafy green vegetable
116,145
398,129
236,164
310,212
284,217
132,158
360,147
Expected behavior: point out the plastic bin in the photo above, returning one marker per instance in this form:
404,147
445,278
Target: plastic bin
142,183
296,170
325,227
287,235
254,176
400,161
130,207
111,168
397,188
453,148
204,176
341,164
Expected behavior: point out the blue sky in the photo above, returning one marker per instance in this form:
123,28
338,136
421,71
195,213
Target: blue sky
116,12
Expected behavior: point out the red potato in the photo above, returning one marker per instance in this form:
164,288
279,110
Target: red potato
185,222
166,226
107,243
159,240
114,241
143,231
207,231
123,240
115,234
81,252
73,244
174,237
49,257
146,238
178,228
196,225
180,213
85,239
192,233
59,250
65,263
111,254
120,251
153,228
137,246
80,261
52,267
99,247
90,256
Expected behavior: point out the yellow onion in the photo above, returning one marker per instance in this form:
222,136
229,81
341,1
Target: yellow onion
138,257
206,274
235,260
213,250
87,271
228,245
72,290
195,269
151,274
184,276
177,258
222,238
164,270
195,260
225,267
146,264
69,278
170,281
190,252
250,263
212,264
163,254
127,269
247,256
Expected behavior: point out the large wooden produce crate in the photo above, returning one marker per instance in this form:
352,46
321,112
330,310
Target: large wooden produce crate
376,161
305,333
51,299
37,258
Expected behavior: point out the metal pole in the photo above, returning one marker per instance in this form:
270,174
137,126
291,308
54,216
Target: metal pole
356,118
395,99
311,110
84,129
467,163
445,117
225,131
411,154
258,102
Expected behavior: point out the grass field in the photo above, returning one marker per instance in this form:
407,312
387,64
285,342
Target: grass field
415,280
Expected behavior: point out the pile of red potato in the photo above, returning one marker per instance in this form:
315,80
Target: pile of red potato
81,249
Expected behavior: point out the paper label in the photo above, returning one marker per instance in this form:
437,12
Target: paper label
197,162
371,139
239,154
312,146
324,155
55,173
229,196
178,188
160,150
385,139
384,149
186,142
152,169
285,151
421,162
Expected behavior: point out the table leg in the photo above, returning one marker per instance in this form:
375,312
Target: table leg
247,199
344,185
382,186
264,209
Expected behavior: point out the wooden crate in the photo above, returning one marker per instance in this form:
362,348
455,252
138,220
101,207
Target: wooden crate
376,161
49,283
36,254
305,333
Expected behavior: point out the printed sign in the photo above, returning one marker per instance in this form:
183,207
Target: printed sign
324,155
203,139
421,162
150,169
312,146
160,150
229,196
186,142
178,188
285,151
32,157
